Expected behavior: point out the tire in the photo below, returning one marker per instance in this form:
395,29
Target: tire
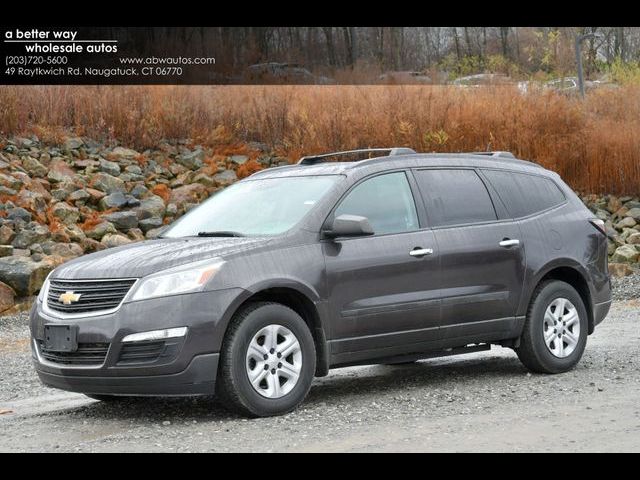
238,362
541,350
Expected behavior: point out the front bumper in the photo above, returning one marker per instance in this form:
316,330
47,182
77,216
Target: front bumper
187,365
197,379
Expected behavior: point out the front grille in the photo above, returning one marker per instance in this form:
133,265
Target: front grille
86,354
142,352
95,296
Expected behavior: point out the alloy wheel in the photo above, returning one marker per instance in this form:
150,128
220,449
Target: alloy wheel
274,361
561,327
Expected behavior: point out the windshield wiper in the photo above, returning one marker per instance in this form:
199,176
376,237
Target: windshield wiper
222,233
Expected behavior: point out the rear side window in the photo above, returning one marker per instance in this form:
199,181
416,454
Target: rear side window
524,194
455,197
387,202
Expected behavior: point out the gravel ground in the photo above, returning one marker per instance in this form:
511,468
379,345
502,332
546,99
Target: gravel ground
626,288
479,402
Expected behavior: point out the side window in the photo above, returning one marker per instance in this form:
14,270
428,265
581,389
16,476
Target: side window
525,194
455,197
387,202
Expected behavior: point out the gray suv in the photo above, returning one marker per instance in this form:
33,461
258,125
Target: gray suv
325,264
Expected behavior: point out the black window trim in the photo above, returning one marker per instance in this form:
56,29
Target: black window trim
412,188
534,214
461,225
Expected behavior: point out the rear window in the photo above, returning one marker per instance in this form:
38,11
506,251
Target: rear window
524,194
455,197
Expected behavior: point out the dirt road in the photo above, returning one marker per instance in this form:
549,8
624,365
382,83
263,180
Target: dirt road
480,402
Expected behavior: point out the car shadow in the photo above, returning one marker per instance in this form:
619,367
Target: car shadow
436,374
341,385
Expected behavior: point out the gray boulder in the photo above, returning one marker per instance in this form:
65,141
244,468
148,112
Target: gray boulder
73,143
28,236
10,182
108,183
65,250
154,233
7,297
112,168
59,172
66,213
7,191
625,254
126,153
634,239
19,213
114,200
620,269
150,223
114,240
134,169
23,274
139,191
634,213
101,230
152,206
34,167
626,222
204,179
123,220
225,178
239,159
192,160
79,196
6,235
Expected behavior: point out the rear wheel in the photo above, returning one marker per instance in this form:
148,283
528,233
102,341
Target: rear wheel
556,328
267,362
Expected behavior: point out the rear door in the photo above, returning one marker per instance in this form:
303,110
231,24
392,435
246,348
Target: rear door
383,291
480,251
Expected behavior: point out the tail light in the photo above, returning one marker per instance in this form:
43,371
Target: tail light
599,225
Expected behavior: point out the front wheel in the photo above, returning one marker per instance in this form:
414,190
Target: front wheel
267,362
555,330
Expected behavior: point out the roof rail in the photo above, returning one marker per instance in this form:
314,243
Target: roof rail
495,154
313,159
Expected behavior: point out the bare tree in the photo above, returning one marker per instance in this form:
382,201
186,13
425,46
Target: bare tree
331,48
504,40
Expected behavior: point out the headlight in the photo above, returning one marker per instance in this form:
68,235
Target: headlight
185,278
44,288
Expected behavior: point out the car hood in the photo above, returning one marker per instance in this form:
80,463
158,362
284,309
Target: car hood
144,258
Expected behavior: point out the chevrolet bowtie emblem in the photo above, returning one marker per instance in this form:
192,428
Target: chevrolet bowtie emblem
69,297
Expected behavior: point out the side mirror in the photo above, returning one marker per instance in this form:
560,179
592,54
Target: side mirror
349,226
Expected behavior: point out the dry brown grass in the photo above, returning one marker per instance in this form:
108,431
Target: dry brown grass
594,145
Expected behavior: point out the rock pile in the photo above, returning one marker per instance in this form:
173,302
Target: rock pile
622,221
80,196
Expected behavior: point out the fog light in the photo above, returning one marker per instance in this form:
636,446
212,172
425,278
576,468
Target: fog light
156,335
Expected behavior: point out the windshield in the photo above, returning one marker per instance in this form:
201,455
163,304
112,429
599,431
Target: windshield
269,206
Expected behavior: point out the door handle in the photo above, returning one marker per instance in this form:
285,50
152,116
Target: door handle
506,243
420,252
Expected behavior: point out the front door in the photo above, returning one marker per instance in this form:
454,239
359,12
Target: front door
383,289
